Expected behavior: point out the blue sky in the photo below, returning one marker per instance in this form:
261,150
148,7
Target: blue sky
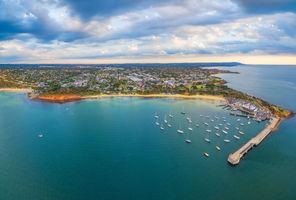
116,31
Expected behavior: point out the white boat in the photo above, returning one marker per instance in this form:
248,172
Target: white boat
236,137
218,148
238,120
169,125
241,124
188,118
200,115
40,135
180,131
220,124
228,124
207,140
226,128
249,122
206,123
156,116
216,117
189,121
208,130
171,116
216,127
242,133
188,141
161,127
226,140
224,117
157,124
224,120
190,129
237,128
197,125
212,120
165,121
207,117
217,134
224,131
206,154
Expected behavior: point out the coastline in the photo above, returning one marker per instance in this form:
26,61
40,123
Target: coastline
206,97
28,90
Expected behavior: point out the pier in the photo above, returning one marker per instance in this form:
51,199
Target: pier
234,158
241,115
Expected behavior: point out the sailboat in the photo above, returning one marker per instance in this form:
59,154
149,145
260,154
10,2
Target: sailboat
190,129
197,125
208,130
169,125
216,127
188,141
170,115
206,123
228,124
218,134
157,123
180,131
224,131
241,124
236,137
208,138
161,127
226,128
156,116
237,128
165,121
242,133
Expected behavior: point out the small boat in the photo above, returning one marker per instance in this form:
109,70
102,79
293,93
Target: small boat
216,117
216,127
189,121
188,118
206,123
197,125
224,117
237,128
218,134
228,124
218,148
212,120
180,131
40,135
171,116
208,130
207,140
224,131
165,121
207,117
226,140
207,155
224,120
157,124
226,128
190,129
242,133
238,120
200,115
236,137
183,113
156,116
169,125
188,141
220,124
161,127
241,124
249,122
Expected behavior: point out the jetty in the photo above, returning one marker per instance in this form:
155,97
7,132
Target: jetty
241,115
234,158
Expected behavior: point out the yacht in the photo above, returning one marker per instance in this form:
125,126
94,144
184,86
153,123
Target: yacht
188,141
197,125
226,140
228,124
190,129
216,127
180,131
157,124
209,130
169,125
238,120
218,148
237,128
165,121
207,140
156,116
224,120
220,124
224,131
161,127
249,122
212,120
207,155
218,134
240,132
171,116
188,118
226,128
236,137
216,117
190,121
241,124
206,123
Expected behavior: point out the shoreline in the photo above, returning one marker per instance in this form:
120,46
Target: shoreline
28,90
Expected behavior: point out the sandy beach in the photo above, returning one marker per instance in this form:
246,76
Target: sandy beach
15,90
206,97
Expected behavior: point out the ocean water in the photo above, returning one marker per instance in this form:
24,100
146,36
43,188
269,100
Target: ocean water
111,149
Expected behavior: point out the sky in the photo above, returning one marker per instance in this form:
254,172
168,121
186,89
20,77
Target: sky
148,31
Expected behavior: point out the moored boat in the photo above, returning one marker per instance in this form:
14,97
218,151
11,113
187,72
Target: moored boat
218,148
236,137
206,154
226,140
218,134
188,141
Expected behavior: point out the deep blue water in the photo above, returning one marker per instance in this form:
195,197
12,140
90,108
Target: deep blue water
111,149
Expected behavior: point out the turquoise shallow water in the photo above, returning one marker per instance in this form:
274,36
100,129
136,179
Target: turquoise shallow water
112,149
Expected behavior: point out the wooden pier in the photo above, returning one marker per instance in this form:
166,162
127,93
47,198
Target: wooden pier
234,158
241,115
